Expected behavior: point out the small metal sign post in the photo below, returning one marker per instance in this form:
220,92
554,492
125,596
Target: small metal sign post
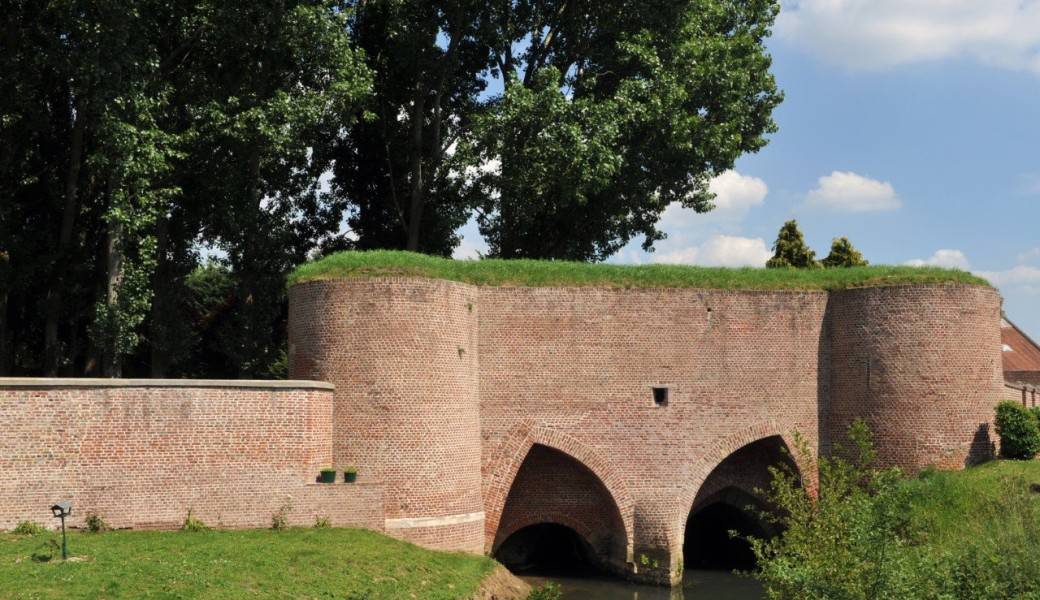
62,510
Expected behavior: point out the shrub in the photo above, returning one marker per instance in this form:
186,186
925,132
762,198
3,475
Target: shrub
280,519
29,528
842,543
322,523
1019,431
95,524
193,523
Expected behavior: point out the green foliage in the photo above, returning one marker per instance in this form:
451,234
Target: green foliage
322,523
586,145
193,524
280,519
351,470
549,591
843,254
790,249
129,143
95,524
562,273
29,528
1019,431
240,564
590,142
843,543
871,535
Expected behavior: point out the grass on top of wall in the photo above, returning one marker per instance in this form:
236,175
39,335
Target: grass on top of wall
293,563
543,273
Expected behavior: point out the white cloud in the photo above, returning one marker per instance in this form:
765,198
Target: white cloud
876,34
721,251
734,193
1022,275
946,258
849,192
1030,255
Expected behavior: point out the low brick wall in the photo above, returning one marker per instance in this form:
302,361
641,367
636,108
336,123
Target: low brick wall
1025,393
141,453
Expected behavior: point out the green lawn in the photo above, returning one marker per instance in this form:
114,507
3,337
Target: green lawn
294,563
954,509
534,273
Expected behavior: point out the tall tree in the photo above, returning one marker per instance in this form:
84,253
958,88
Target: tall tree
395,167
138,131
790,249
612,110
843,254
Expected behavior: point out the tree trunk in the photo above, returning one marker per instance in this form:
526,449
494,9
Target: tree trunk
112,365
418,196
5,334
52,302
159,353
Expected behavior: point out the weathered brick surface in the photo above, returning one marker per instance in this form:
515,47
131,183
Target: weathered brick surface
922,365
403,357
551,486
472,412
443,386
142,456
1026,394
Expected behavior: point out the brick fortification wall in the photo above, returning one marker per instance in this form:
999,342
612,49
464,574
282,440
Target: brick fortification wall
444,390
141,453
403,357
922,365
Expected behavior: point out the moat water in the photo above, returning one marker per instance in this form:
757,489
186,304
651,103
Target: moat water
697,585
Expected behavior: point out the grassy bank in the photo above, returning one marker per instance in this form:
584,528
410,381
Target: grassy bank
294,563
537,273
872,534
951,510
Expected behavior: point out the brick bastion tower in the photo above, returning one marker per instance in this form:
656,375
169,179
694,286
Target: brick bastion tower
626,415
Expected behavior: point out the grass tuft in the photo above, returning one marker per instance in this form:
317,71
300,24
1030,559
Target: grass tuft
542,273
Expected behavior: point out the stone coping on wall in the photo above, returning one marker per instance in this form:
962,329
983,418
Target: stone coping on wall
98,382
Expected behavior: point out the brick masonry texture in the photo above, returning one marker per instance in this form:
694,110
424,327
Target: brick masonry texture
472,412
142,457
403,358
461,399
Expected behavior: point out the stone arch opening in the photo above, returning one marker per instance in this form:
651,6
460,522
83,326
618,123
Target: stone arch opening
547,548
729,500
556,500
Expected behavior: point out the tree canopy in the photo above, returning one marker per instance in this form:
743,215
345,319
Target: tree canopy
164,165
843,254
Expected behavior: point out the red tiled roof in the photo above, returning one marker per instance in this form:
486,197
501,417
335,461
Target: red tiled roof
1020,353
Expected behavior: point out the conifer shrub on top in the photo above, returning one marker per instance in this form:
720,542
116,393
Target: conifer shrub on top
1019,431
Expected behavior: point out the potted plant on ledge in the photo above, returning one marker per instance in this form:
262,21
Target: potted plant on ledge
350,474
328,475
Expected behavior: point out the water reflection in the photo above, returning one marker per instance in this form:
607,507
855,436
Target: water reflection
697,585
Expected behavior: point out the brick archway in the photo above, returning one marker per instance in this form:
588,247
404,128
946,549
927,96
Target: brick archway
718,453
507,459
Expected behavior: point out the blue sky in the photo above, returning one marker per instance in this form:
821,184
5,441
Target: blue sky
910,126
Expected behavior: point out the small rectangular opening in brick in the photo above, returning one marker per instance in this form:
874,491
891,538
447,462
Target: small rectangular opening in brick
661,396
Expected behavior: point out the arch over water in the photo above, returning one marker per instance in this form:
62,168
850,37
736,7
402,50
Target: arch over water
694,487
554,490
728,499
502,470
